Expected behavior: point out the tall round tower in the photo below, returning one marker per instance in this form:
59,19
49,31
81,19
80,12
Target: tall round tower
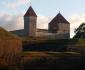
30,20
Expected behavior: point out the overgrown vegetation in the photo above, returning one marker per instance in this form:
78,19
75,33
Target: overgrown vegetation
50,58
80,31
53,61
4,34
41,44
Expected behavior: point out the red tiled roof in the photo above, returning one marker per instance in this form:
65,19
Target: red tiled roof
30,12
59,19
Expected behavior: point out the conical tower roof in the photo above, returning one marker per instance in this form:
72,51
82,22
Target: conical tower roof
30,12
59,19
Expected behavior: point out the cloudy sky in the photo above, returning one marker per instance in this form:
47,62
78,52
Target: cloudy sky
12,12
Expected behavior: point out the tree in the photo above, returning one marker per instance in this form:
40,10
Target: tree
80,31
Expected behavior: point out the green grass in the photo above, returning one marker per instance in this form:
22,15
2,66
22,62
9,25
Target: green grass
37,54
55,61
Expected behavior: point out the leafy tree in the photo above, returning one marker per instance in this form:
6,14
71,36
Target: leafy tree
80,31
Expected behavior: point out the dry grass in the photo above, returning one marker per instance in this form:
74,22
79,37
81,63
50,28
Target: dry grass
4,34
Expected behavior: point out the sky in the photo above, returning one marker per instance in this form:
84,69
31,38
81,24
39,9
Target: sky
12,12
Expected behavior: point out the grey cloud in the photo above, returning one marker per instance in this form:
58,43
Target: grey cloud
11,22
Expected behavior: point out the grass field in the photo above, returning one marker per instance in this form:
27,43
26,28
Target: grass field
52,61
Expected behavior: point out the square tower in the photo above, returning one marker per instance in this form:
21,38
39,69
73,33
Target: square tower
60,26
30,20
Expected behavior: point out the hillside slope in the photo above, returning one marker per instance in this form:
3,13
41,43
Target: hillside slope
4,34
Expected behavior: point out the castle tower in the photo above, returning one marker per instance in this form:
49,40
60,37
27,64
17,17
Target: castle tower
59,25
30,20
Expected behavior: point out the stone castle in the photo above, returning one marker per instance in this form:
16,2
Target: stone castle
59,27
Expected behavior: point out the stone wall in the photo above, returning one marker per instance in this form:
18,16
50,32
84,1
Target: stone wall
53,35
18,32
60,29
63,28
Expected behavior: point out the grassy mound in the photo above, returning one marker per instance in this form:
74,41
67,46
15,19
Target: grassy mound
6,34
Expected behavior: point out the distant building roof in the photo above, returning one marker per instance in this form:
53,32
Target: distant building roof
30,12
59,19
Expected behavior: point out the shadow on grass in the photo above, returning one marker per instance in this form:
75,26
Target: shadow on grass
54,63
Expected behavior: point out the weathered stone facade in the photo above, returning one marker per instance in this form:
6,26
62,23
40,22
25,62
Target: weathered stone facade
59,27
30,26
